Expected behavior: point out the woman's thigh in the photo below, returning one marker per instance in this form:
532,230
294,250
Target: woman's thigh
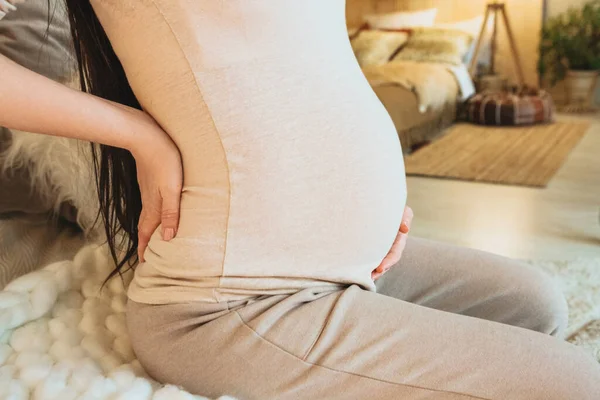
478,284
353,344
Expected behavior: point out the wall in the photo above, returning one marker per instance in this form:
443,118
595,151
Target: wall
525,17
555,7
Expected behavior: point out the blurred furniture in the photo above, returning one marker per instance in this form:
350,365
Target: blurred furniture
525,17
495,10
524,107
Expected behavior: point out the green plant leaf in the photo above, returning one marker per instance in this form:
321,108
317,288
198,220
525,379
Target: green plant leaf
571,40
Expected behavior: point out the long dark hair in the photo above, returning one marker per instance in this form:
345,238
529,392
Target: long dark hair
102,74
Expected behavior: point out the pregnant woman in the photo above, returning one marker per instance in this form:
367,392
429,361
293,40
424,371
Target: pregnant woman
278,181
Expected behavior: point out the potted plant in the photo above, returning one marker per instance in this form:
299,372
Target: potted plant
570,48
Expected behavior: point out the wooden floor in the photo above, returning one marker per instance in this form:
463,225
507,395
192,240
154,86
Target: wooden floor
559,222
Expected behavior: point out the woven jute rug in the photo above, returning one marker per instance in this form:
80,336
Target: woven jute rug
525,156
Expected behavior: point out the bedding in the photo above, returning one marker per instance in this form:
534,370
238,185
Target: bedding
62,337
436,45
432,83
472,27
414,128
426,76
420,98
375,47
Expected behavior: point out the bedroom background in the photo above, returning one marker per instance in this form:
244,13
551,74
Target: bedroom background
505,212
553,8
525,16
538,155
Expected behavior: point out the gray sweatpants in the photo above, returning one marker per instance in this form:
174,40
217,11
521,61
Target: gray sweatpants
446,323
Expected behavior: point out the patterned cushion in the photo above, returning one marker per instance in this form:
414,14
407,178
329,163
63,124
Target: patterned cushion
436,45
505,108
375,47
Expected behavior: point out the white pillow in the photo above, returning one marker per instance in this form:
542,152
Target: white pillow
471,26
401,20
374,47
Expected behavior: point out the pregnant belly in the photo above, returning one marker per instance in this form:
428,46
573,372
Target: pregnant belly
303,187
329,220
277,210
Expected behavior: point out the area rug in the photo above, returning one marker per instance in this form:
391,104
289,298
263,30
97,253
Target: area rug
62,338
524,156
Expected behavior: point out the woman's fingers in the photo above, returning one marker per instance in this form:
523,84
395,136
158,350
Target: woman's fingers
170,213
406,220
395,253
161,210
149,221
393,257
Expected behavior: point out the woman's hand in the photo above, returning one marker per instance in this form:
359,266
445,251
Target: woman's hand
73,114
160,176
395,252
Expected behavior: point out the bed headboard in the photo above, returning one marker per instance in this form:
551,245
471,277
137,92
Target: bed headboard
525,17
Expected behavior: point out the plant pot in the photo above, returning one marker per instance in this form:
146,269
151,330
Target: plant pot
580,87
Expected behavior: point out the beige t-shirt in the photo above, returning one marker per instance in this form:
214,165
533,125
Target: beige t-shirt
293,171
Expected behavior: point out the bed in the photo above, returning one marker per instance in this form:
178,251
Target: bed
419,109
418,120
418,73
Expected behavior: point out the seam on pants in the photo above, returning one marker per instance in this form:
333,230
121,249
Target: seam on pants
327,321
187,60
353,373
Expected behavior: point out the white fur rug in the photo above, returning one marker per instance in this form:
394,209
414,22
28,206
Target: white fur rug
61,338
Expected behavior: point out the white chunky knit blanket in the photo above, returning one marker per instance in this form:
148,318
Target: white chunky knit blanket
61,338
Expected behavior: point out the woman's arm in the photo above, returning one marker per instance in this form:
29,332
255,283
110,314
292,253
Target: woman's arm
31,102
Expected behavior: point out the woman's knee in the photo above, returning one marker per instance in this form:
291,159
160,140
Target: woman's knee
573,375
540,301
